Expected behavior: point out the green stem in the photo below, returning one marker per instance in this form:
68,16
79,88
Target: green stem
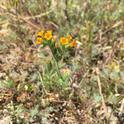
57,66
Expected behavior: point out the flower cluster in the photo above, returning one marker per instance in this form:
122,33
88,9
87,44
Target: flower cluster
41,35
68,41
44,36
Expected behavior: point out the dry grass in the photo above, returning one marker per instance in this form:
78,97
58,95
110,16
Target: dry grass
77,85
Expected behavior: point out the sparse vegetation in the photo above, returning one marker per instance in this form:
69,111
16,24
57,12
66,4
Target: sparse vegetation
62,61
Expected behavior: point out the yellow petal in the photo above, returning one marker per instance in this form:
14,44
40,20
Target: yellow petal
39,40
48,35
69,37
40,33
64,41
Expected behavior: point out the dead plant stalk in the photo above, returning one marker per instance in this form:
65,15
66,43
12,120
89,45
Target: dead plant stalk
100,91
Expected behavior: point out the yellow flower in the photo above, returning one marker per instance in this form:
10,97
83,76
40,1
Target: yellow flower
73,43
69,37
39,40
40,33
64,41
48,35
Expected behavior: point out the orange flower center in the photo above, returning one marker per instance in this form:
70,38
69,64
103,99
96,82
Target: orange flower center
73,43
64,41
48,35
